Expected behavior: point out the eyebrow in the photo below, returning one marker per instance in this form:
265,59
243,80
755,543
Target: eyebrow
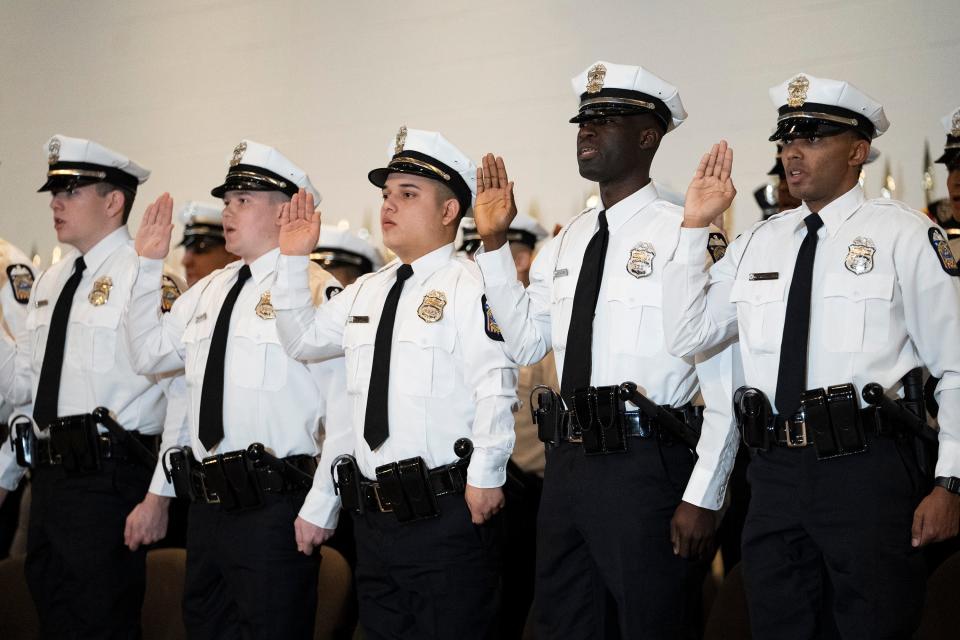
405,185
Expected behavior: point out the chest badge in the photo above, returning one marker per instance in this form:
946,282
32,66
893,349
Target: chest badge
265,307
101,291
431,309
640,264
859,258
21,282
717,246
169,292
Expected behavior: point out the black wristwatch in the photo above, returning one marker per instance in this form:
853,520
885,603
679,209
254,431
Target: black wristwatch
950,483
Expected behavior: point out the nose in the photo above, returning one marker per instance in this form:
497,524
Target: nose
55,203
388,206
585,131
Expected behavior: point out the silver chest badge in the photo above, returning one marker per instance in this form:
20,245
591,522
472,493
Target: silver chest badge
860,256
640,264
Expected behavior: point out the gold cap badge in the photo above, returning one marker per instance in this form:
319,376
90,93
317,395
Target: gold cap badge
238,154
401,140
595,77
101,291
797,91
955,124
54,150
265,307
431,309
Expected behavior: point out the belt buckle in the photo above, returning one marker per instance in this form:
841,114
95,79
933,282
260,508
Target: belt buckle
571,424
796,443
209,496
376,495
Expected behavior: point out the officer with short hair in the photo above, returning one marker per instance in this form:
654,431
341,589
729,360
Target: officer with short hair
203,241
624,501
254,415
345,254
91,512
428,381
828,298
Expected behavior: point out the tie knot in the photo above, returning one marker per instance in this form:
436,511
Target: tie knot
404,272
602,218
244,273
813,222
79,265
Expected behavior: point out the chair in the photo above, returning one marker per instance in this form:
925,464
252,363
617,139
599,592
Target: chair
162,615
333,592
17,614
729,619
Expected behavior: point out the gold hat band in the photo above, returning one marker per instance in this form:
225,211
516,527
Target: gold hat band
280,184
613,100
815,115
419,163
78,173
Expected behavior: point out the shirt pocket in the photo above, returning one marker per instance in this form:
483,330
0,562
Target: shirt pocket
196,343
358,341
760,308
564,289
423,356
255,357
93,343
37,326
856,311
636,319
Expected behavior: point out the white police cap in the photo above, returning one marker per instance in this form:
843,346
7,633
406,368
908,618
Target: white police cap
608,89
429,154
257,167
951,148
342,247
203,224
811,106
74,162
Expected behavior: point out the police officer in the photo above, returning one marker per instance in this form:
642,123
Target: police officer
621,523
424,370
14,294
245,575
948,211
203,241
346,255
833,293
525,469
70,359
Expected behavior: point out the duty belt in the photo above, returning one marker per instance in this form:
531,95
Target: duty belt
798,432
445,480
267,479
636,424
108,445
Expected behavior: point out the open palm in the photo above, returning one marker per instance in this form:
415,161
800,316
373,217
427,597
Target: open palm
495,207
299,225
711,191
153,236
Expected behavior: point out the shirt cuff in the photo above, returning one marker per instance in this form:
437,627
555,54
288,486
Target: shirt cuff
487,470
292,284
498,267
321,509
704,491
692,246
148,278
159,485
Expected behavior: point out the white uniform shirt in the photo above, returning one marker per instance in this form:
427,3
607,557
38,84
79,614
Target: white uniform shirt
871,327
628,343
268,397
448,379
97,367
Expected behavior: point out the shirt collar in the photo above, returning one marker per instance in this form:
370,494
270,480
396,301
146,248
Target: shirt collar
99,253
838,211
265,265
619,213
426,265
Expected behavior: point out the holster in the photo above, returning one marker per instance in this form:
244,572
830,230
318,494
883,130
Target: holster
754,417
347,482
76,441
548,414
23,440
184,473
229,477
405,485
599,410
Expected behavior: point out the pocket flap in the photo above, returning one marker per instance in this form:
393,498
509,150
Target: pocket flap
432,335
854,287
757,292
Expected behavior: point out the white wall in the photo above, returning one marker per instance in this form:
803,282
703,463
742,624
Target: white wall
175,84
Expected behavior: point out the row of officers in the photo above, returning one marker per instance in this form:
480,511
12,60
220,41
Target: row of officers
280,403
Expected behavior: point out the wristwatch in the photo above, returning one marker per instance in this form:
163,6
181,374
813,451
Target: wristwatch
950,483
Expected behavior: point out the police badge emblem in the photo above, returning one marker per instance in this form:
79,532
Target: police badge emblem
490,325
400,141
431,309
640,264
860,256
944,255
717,246
265,307
169,292
955,124
21,282
101,291
54,150
332,291
797,91
238,154
595,77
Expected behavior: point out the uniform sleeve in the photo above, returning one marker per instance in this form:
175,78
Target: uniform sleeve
155,338
175,430
698,314
16,359
931,305
493,377
308,333
523,315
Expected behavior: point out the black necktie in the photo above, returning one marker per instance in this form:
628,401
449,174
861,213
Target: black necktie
792,376
577,362
211,395
376,426
46,403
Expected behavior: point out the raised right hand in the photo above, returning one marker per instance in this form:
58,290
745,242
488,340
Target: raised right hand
711,191
299,225
153,236
495,207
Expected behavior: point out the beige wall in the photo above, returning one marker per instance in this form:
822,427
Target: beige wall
175,84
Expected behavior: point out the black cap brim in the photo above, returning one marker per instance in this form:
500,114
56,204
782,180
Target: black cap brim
378,177
65,183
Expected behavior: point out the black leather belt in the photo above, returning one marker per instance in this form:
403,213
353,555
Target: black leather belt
636,424
796,435
110,448
268,479
451,478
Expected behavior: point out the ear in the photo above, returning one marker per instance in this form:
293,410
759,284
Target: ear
859,152
451,212
650,138
114,202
